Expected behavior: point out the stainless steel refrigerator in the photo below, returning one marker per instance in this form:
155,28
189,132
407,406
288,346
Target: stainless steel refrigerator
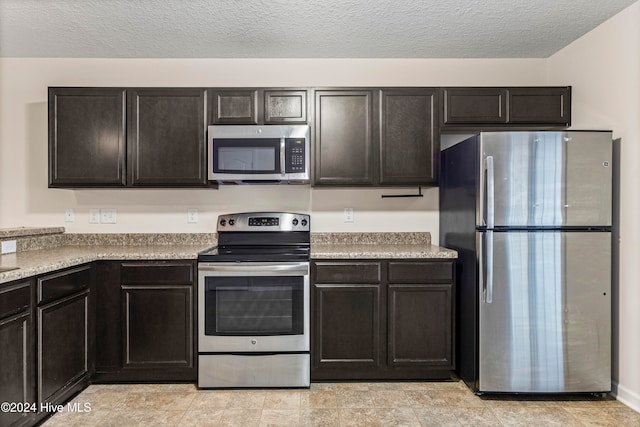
530,215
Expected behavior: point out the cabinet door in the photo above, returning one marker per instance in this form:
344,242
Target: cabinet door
344,149
540,105
63,352
285,106
158,320
409,142
17,358
86,137
420,325
166,137
475,106
348,327
158,326
234,106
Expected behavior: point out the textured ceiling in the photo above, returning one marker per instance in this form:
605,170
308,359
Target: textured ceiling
297,28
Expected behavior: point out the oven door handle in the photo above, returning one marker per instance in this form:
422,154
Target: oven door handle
253,270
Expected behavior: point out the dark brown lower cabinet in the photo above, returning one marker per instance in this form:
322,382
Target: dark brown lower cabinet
382,319
348,328
64,335
17,353
145,321
158,326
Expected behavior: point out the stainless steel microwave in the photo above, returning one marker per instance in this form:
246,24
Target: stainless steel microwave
246,154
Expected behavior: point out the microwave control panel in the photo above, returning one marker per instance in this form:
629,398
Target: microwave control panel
294,155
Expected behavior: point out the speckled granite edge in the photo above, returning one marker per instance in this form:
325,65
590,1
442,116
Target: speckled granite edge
9,233
377,245
393,238
140,239
392,251
33,243
50,241
33,263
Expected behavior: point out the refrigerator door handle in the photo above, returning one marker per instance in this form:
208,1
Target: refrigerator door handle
488,290
490,192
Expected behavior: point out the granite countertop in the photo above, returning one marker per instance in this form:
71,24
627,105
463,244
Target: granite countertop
336,251
376,245
45,250
36,262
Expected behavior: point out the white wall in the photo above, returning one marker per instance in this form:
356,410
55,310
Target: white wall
26,201
604,69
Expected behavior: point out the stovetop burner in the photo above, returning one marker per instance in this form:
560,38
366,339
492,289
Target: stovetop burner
255,253
260,237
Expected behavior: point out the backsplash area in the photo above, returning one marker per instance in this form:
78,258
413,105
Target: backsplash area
33,238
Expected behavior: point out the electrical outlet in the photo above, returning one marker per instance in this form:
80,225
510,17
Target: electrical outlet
69,215
348,214
108,216
94,216
192,216
8,246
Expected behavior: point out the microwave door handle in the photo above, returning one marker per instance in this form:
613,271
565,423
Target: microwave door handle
282,156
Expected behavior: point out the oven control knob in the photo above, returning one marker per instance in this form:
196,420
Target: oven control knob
295,221
254,341
304,222
223,222
232,221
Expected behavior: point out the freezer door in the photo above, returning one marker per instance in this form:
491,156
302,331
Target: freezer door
545,179
547,327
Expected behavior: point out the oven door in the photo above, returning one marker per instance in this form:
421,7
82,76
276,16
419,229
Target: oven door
253,307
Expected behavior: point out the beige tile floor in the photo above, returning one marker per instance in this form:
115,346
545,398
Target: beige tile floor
335,404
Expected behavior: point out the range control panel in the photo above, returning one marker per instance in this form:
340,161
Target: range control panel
264,221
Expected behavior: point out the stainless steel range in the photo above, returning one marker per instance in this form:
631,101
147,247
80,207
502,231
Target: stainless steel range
253,302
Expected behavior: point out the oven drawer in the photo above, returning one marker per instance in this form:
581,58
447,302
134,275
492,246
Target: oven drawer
247,370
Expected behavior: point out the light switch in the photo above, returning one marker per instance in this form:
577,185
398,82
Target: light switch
192,216
348,214
94,216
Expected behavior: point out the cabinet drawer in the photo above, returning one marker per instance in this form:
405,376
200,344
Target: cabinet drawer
352,272
14,299
420,272
64,283
156,273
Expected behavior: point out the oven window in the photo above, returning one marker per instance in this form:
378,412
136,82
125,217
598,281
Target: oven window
246,156
268,305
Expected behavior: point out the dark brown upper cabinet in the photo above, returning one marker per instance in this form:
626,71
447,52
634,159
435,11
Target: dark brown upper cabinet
376,137
258,106
475,105
87,146
344,138
234,106
285,106
166,137
540,105
127,137
409,137
506,107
